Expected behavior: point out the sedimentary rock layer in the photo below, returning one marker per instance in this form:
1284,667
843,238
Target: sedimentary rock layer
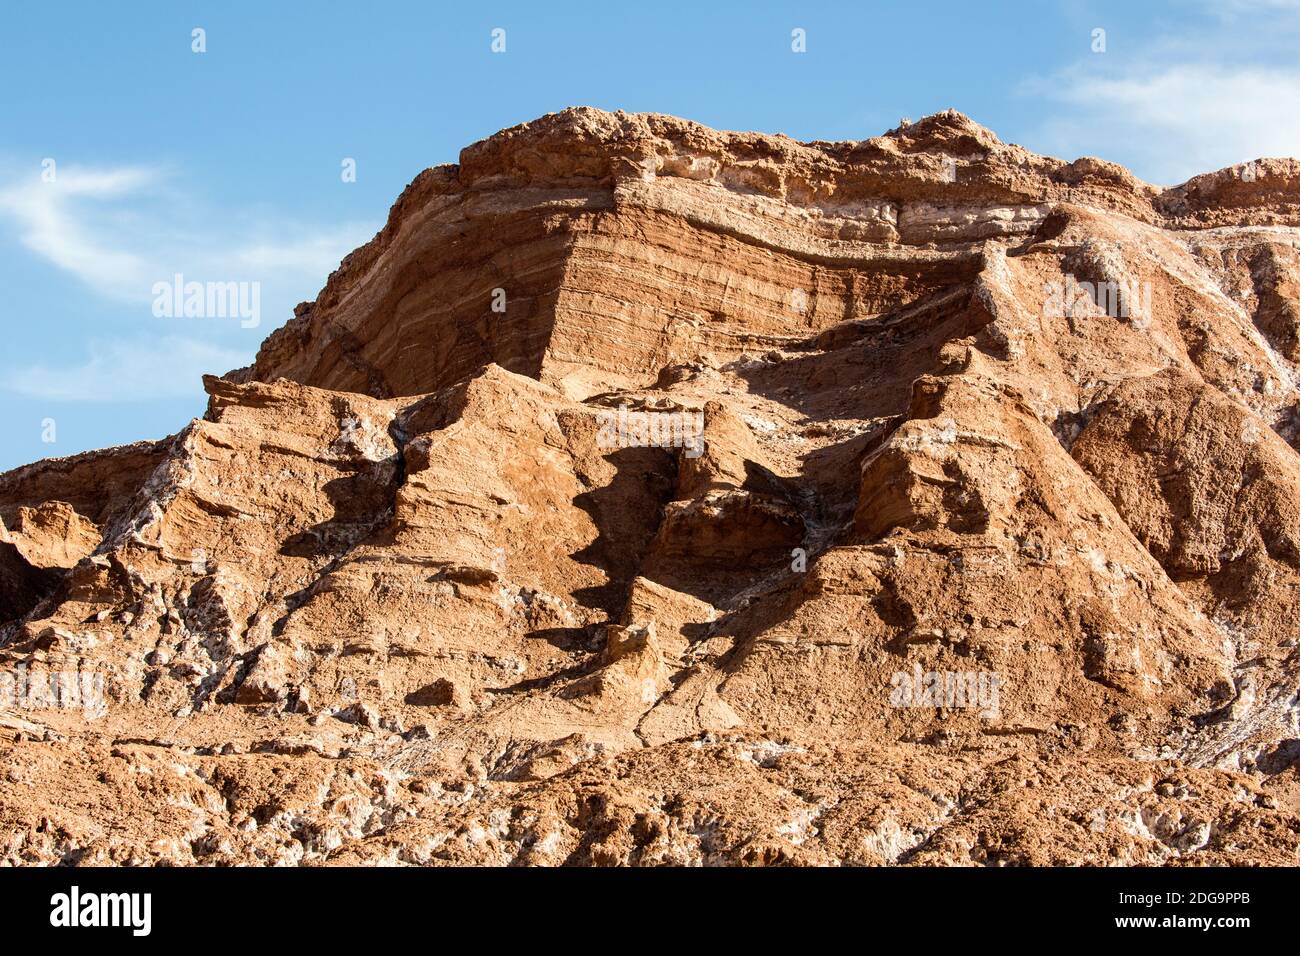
649,494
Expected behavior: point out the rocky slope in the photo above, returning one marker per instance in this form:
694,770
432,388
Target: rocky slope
646,494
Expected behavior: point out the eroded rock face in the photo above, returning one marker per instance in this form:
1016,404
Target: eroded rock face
647,494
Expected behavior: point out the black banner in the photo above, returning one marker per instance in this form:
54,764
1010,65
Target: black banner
130,906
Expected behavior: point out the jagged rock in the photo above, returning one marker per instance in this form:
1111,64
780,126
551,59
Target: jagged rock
702,497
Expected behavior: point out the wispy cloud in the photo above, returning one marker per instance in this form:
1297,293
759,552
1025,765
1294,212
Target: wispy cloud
121,229
1176,120
135,370
60,221
1212,91
313,255
1232,8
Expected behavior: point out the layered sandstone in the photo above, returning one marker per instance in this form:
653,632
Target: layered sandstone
962,410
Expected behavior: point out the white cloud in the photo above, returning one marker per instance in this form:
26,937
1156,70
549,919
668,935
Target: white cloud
318,254
136,370
46,216
1175,120
1231,8
1175,97
121,229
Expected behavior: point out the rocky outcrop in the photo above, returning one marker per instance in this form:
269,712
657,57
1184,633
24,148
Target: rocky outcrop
647,494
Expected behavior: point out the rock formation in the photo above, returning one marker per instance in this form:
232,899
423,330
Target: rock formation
645,494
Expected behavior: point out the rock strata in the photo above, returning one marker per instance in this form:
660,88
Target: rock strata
647,494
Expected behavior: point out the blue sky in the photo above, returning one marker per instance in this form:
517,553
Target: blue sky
225,165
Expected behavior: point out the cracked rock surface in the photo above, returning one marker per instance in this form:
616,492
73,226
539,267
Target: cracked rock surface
644,494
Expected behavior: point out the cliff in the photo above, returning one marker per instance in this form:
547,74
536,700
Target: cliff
644,493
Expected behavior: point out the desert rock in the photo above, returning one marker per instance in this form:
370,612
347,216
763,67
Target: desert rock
648,494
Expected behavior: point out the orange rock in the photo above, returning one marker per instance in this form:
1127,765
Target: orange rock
649,494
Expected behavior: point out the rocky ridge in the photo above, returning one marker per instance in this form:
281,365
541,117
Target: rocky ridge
970,537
